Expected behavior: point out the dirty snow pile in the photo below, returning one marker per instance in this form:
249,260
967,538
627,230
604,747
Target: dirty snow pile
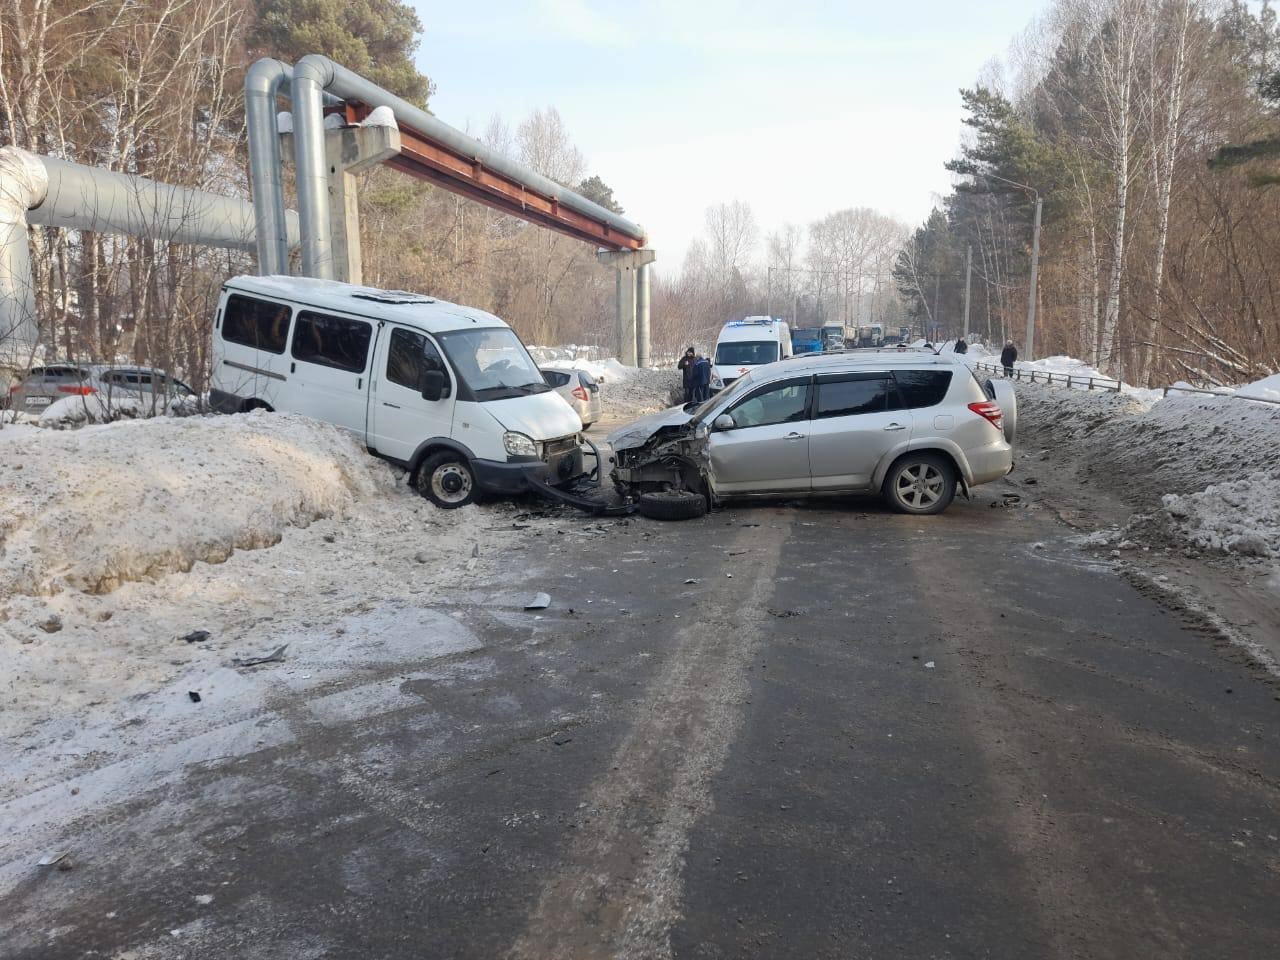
103,408
1237,516
88,509
627,392
128,575
1208,465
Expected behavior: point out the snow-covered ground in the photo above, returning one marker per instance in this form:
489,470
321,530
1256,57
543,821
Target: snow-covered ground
1205,468
117,541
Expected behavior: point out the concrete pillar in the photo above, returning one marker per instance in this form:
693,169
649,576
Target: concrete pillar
628,263
349,151
642,315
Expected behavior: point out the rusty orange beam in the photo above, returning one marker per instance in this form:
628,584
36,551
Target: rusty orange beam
429,160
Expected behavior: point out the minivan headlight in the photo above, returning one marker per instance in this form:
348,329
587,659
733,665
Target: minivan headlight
518,445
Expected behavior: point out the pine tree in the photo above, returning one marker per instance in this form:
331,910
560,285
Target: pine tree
375,38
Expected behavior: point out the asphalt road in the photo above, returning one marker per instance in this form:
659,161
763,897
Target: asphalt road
856,735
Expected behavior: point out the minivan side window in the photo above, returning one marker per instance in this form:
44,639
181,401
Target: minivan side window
256,323
331,341
785,404
409,356
853,394
922,388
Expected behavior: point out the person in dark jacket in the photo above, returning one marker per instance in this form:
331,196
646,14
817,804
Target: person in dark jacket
685,366
1008,357
701,379
961,347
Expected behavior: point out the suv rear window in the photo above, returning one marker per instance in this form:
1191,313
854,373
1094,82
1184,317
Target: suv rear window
922,388
332,341
260,324
847,395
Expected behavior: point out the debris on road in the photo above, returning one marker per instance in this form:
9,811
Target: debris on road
692,580
197,636
275,656
52,625
194,695
49,859
540,601
928,664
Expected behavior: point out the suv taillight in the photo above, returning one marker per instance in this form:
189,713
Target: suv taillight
990,411
580,393
79,391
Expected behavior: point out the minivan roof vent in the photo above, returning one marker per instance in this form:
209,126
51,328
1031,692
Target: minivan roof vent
393,296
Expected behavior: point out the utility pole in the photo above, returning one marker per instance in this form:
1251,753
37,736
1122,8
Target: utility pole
1029,346
769,308
968,277
937,279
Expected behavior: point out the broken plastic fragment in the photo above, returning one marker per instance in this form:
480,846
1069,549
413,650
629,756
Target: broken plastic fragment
49,859
540,601
275,656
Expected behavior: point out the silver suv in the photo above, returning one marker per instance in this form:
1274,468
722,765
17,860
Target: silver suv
912,427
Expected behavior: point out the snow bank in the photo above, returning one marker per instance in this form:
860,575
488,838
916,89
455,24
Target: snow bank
101,408
89,509
1209,464
627,392
1239,516
1267,388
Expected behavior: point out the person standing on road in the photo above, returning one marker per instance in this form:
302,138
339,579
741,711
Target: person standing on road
961,347
701,379
685,366
1008,357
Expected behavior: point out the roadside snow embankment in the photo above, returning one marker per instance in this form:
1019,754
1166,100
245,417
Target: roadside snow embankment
1208,465
89,509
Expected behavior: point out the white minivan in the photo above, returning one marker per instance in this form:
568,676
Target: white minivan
447,392
747,343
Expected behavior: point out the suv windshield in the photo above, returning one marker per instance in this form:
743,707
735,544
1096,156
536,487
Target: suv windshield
493,363
746,354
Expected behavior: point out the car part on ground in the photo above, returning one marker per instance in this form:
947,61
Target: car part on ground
673,505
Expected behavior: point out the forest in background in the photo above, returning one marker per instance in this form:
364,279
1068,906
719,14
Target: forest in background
1147,127
1149,130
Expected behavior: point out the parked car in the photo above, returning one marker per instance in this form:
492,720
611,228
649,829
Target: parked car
579,389
445,391
46,385
748,343
913,427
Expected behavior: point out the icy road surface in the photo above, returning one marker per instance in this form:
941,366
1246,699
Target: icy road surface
855,734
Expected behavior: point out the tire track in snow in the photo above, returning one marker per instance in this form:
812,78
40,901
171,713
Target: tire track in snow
619,890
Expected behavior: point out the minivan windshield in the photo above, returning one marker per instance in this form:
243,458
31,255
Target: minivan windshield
746,353
493,363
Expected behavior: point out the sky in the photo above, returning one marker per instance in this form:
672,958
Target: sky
798,108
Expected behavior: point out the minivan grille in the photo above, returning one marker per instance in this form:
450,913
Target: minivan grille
555,448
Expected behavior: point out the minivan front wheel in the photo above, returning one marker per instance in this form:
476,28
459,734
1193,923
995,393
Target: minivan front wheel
920,484
447,480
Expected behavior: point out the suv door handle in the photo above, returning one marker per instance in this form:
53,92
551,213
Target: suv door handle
896,426
794,436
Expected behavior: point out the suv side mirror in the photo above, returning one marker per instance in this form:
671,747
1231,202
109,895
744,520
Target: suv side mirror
724,422
432,384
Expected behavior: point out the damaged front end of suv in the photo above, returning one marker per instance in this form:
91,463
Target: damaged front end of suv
661,463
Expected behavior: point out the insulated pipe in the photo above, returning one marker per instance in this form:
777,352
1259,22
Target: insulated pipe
23,184
314,74
262,83
90,198
58,193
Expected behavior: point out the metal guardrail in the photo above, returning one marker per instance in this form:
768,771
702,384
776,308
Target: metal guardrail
1102,383
1049,377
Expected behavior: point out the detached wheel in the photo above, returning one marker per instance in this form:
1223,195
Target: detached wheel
920,484
672,505
447,480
